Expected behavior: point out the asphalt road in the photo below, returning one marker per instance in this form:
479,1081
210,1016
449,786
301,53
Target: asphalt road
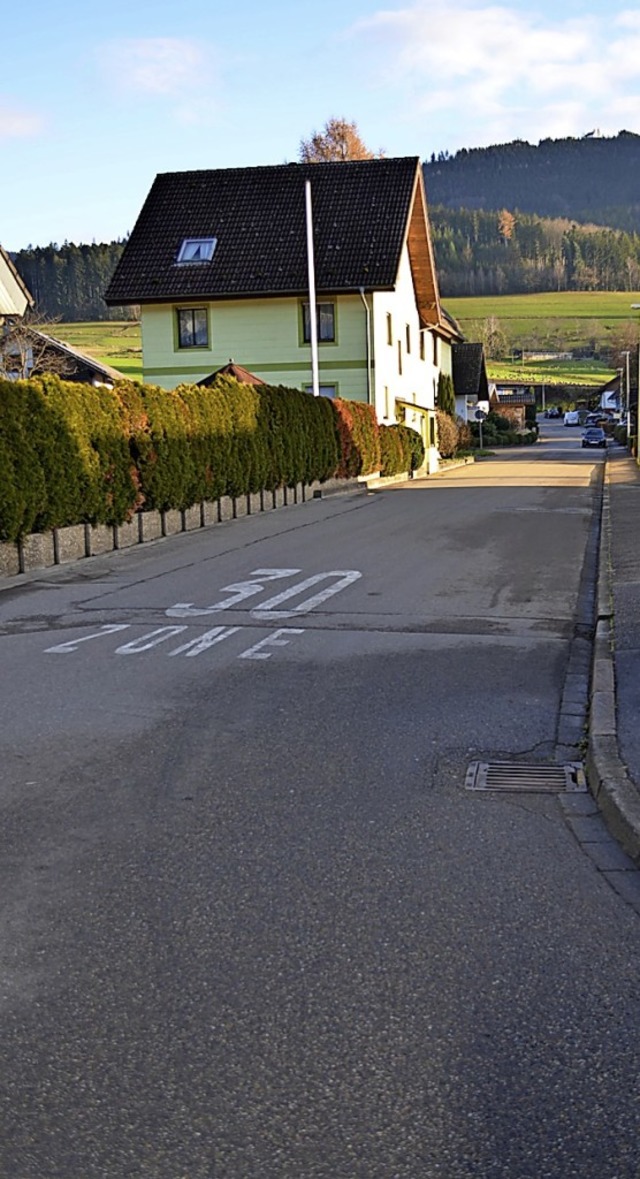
252,923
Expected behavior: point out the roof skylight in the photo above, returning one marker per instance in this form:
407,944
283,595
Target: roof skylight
196,249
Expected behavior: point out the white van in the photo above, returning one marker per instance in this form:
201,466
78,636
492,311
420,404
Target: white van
572,418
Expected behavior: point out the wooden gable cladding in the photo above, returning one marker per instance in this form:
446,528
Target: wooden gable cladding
422,259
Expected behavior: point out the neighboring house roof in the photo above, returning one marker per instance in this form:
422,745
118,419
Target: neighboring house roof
233,370
469,371
363,213
449,327
14,295
516,397
75,365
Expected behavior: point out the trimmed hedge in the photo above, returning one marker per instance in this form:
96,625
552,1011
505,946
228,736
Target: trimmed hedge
71,453
401,449
359,438
64,457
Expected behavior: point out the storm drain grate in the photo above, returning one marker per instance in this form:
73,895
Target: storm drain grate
509,775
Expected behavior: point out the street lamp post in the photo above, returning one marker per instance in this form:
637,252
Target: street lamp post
627,400
636,307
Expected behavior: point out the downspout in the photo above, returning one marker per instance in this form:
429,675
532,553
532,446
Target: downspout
368,344
313,327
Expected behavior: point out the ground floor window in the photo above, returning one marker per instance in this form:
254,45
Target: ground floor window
323,390
193,327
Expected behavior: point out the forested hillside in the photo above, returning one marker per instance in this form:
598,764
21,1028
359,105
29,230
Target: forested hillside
594,179
480,253
68,282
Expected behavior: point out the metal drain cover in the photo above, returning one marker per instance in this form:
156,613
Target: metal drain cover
535,778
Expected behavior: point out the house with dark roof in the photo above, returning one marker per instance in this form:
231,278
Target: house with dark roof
469,377
218,262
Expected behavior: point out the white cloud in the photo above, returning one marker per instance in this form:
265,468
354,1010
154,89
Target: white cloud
489,71
18,124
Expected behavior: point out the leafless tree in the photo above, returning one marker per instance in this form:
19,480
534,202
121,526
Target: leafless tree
26,348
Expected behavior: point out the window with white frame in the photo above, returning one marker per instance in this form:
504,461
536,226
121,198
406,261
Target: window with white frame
196,249
193,327
325,323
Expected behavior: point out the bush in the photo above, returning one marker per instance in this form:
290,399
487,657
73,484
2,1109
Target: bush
448,434
394,456
358,436
65,456
413,441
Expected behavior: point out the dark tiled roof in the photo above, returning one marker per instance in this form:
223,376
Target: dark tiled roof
521,397
361,211
469,371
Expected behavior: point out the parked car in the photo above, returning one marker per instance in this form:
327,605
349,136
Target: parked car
572,418
594,436
552,412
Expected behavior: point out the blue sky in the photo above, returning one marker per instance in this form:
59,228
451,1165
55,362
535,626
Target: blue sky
97,99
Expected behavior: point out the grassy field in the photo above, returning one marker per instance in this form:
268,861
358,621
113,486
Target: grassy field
554,322
112,342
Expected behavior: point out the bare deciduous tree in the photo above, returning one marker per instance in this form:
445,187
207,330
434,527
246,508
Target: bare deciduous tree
26,348
340,140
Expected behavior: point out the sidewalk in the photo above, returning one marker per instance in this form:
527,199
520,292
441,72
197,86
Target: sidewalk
613,757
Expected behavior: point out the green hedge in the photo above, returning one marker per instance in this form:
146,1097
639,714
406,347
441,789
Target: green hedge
358,438
401,449
64,456
71,453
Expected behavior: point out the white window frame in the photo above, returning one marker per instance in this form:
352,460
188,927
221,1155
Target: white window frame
196,250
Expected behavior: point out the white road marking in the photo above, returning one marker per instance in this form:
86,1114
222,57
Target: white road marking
274,640
72,644
266,611
241,590
196,646
152,639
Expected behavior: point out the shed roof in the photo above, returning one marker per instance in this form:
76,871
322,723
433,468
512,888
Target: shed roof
233,370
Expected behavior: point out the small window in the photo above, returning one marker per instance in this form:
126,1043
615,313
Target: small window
196,249
432,431
408,339
435,349
422,345
389,329
325,323
193,327
400,357
323,390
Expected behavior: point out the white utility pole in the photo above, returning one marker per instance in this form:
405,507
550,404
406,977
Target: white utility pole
313,325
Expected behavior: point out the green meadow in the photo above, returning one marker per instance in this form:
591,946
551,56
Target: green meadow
553,322
114,342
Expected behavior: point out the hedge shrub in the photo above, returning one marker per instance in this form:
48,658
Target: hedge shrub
447,434
64,456
71,453
394,456
359,438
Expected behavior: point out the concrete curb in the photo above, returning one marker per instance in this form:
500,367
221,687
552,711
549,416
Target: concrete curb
43,550
616,794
